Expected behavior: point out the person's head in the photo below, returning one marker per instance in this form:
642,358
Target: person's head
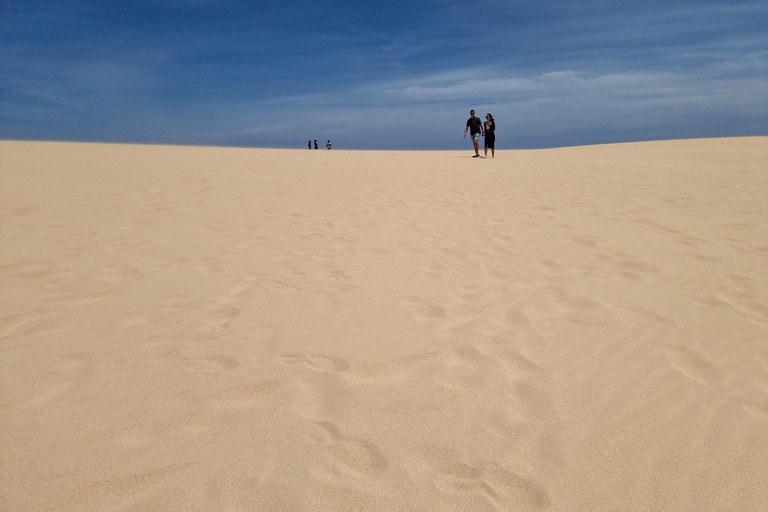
489,117
471,113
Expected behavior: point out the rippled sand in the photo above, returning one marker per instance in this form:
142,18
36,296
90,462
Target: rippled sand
199,329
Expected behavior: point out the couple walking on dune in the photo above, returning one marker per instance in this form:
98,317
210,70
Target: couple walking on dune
477,129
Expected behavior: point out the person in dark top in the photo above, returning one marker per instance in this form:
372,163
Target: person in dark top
490,135
475,127
315,143
328,144
309,145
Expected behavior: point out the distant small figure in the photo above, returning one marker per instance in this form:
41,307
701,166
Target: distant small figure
309,145
328,144
475,127
315,143
490,135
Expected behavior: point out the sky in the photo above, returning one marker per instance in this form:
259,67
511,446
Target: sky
399,74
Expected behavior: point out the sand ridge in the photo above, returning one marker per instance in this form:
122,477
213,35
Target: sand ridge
249,329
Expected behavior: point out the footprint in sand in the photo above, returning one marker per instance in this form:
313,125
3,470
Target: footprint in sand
36,322
432,270
493,274
556,301
279,286
342,456
739,289
707,258
691,363
242,288
423,310
754,400
690,240
340,281
36,268
586,241
516,317
124,492
758,308
634,269
119,273
248,393
134,435
463,367
547,266
61,378
215,363
400,368
468,293
504,489
325,300
529,399
338,274
515,362
218,318
343,240
502,237
528,438
318,363
459,376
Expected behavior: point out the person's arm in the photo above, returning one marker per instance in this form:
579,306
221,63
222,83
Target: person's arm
465,130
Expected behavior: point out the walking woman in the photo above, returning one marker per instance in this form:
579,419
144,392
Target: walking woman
490,135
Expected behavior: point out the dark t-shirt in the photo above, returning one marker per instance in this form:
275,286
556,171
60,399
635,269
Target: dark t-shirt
490,131
474,124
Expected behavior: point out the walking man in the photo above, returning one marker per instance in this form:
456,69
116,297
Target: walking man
475,126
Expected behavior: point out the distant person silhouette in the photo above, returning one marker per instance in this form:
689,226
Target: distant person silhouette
475,127
328,144
490,135
309,145
315,143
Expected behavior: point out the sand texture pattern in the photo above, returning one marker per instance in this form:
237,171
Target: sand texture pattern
208,329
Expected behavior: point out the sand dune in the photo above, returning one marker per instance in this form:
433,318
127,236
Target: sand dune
199,329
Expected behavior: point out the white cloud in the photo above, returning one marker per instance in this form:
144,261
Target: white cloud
557,108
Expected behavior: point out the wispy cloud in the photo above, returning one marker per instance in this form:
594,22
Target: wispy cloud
550,109
383,76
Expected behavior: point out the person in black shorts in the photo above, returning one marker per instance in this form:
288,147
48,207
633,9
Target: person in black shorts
475,127
490,135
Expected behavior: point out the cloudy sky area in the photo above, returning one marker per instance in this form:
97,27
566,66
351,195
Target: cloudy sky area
382,75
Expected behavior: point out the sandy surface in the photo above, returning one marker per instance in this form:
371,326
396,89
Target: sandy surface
579,329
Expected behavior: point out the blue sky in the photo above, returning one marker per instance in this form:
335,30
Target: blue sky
382,75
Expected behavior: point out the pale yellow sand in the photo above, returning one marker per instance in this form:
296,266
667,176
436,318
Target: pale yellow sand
581,329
